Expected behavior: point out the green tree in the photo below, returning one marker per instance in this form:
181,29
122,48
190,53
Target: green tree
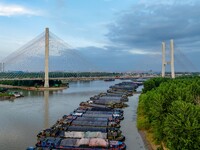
182,126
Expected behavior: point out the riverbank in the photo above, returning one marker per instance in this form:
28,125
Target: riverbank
33,88
7,98
148,142
142,125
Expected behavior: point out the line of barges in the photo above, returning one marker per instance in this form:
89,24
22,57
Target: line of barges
94,125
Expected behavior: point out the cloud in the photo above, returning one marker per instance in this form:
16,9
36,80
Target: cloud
136,35
148,23
14,10
169,2
142,52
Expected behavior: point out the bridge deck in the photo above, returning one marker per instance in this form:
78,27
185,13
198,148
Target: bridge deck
77,78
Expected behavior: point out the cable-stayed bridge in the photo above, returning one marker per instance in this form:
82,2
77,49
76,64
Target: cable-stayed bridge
175,54
49,52
45,52
31,56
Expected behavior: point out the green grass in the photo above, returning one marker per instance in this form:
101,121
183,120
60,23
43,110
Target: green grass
142,121
5,94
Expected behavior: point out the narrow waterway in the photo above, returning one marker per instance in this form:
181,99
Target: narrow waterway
23,118
129,128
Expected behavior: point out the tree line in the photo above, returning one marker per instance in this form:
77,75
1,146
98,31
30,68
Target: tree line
20,74
32,83
170,110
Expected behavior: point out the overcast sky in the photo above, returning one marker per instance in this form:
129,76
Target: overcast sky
116,35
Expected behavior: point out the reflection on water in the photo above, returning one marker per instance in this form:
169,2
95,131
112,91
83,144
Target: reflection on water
22,119
46,109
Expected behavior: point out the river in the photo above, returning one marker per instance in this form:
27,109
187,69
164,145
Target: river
23,118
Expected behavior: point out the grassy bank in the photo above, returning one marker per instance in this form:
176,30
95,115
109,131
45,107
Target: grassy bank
32,83
34,88
169,113
5,94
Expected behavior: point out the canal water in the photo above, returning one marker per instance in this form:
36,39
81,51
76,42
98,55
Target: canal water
23,118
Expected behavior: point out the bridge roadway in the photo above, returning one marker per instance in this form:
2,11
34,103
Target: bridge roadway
78,78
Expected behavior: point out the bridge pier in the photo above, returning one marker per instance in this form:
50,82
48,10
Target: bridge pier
46,80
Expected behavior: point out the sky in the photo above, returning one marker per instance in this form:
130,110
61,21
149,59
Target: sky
115,35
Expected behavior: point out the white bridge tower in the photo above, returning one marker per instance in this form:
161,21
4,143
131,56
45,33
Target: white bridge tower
46,79
171,62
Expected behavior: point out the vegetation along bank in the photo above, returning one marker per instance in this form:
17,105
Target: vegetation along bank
169,113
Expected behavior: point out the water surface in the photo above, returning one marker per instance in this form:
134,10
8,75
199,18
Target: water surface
23,118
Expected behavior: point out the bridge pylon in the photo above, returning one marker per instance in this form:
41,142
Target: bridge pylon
2,66
171,62
46,79
163,59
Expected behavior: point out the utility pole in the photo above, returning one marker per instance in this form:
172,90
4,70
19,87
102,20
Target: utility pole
46,80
